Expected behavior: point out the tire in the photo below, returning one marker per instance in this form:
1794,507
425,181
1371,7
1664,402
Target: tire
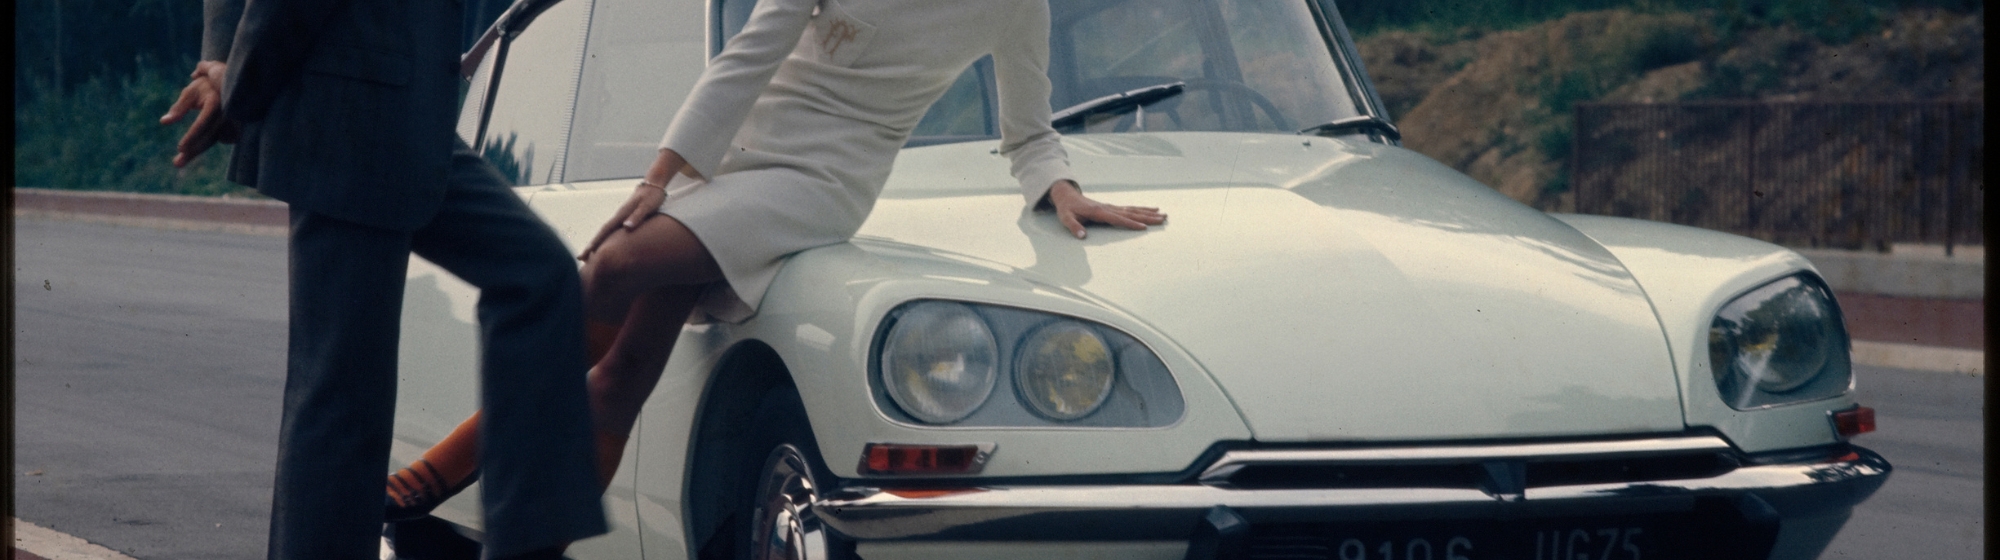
773,474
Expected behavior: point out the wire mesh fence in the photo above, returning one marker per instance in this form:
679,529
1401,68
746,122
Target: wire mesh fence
1807,174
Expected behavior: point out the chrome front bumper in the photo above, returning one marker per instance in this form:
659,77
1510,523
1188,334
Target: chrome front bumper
1807,489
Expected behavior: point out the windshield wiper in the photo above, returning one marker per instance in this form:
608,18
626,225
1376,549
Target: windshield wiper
1075,114
1351,125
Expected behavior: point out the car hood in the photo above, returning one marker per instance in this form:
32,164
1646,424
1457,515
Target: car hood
1336,291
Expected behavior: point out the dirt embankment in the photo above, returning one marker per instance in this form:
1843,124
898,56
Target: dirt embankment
1497,105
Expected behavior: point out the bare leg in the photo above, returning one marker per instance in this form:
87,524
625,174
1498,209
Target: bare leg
659,253
639,288
626,375
647,281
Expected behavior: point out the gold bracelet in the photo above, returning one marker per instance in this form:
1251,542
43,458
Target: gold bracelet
645,183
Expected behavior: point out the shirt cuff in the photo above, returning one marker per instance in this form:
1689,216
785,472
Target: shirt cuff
699,141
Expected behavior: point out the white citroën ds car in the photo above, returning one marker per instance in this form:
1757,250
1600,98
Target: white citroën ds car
1336,349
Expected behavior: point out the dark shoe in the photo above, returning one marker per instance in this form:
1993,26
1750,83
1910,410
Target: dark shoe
428,538
551,553
422,490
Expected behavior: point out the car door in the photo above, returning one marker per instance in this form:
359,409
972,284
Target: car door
520,114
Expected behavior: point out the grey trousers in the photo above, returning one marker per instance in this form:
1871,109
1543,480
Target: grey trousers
537,463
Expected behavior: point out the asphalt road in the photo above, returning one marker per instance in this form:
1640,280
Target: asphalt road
147,370
1929,425
149,363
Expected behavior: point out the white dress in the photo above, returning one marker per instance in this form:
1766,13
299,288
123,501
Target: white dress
797,123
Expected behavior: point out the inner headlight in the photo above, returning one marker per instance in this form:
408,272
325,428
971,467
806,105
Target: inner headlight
938,361
1064,371
1780,343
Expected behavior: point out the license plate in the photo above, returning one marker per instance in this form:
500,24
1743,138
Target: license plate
1701,535
1575,543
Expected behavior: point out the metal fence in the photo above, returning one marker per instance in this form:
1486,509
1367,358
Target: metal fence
1846,175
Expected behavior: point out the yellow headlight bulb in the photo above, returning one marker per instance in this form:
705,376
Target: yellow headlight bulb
1064,371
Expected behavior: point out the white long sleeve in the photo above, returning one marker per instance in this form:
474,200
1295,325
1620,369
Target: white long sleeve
1033,148
797,124
708,121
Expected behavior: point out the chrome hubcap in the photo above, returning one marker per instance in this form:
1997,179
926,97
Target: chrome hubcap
783,525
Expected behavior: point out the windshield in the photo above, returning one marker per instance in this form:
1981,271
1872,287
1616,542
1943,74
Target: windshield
1246,65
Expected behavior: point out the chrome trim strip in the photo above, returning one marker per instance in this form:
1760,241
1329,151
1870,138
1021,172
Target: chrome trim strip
1169,511
1234,461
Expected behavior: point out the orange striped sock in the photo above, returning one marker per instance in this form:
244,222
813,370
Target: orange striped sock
443,467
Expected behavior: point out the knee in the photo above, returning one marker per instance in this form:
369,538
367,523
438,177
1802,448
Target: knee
610,269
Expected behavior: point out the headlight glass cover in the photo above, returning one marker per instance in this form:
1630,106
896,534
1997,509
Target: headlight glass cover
1781,343
1064,370
939,362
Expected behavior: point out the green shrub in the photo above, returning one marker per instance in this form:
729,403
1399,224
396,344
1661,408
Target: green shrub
1661,47
1554,140
1557,185
105,134
1834,21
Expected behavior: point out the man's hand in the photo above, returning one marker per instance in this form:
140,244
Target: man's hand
204,93
1074,210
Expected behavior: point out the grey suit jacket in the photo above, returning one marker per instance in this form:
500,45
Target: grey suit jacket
348,105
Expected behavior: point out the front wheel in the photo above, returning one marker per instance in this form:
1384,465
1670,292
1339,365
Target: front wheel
755,479
782,523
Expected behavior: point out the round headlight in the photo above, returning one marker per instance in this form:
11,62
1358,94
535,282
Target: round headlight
1771,344
938,362
1064,371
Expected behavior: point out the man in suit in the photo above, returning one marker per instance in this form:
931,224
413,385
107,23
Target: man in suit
344,109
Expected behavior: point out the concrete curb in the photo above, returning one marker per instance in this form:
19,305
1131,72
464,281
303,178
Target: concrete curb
156,206
56,545
159,211
1911,356
155,223
1913,271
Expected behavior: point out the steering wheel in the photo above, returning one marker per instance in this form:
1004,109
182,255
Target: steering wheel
1237,88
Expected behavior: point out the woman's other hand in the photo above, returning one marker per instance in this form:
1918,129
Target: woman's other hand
1075,210
645,201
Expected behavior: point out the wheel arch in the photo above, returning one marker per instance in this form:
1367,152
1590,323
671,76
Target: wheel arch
1688,273
728,411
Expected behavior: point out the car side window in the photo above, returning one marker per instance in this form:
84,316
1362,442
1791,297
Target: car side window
530,116
642,61
966,112
730,15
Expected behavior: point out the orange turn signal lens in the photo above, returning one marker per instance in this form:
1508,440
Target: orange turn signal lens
915,459
1854,421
